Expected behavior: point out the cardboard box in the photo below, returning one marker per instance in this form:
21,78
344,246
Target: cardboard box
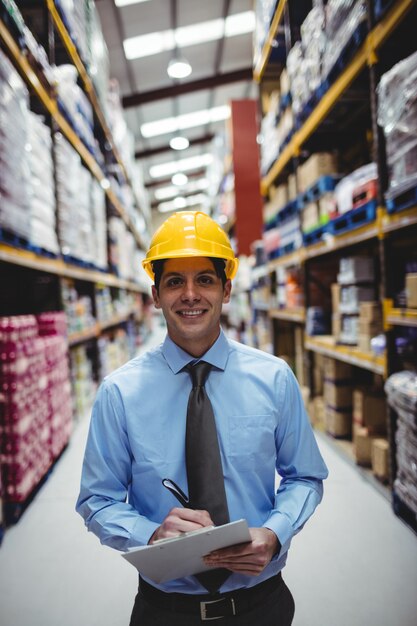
319,164
355,269
310,217
364,343
338,396
336,325
335,288
362,445
292,187
370,311
338,423
370,410
369,327
335,370
278,196
317,413
284,82
380,458
352,295
411,290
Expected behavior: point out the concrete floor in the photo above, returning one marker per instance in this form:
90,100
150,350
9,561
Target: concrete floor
354,564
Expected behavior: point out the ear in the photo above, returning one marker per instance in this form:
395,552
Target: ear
155,298
227,289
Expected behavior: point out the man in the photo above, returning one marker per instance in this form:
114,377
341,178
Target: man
139,436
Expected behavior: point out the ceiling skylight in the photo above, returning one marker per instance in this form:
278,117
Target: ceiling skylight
195,34
182,165
182,203
188,120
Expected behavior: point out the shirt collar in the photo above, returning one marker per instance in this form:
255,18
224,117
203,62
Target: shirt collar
177,358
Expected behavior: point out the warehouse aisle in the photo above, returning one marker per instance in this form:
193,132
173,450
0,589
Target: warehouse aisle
354,564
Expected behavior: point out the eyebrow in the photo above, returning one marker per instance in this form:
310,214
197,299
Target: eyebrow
170,274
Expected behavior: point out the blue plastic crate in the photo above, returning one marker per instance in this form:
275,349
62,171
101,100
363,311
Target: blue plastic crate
353,219
402,201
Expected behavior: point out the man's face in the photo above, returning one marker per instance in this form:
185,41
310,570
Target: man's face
191,297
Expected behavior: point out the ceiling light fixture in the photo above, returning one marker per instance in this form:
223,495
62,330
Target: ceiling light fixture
179,68
179,179
179,143
125,3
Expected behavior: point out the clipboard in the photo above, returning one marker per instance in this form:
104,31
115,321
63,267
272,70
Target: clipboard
181,556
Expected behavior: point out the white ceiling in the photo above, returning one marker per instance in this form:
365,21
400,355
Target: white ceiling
149,73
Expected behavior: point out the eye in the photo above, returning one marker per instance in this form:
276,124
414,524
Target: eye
206,279
175,281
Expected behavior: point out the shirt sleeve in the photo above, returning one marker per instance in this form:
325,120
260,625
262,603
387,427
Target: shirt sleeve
106,476
299,464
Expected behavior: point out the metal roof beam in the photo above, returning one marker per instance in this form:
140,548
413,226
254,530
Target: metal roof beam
181,89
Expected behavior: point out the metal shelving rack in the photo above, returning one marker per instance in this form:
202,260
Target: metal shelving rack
377,233
30,264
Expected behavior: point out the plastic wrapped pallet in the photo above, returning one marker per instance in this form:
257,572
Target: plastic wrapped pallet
343,17
36,408
397,114
401,390
15,183
75,220
76,104
42,205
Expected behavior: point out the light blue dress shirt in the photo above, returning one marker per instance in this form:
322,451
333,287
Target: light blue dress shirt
137,438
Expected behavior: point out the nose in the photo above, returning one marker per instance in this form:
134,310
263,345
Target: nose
190,292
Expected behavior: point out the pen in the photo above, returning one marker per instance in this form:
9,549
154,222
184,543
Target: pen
176,491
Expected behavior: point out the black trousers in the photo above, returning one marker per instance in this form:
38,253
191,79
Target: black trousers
277,610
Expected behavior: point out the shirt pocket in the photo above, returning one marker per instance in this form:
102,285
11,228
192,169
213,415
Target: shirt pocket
251,440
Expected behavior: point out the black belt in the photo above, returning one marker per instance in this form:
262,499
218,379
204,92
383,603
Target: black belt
208,606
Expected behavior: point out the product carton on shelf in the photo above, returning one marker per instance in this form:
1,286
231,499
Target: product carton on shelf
284,81
292,187
369,410
317,413
335,290
351,297
380,458
319,164
370,311
356,269
337,395
335,370
338,421
411,290
362,445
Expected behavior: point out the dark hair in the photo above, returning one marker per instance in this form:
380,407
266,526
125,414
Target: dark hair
218,264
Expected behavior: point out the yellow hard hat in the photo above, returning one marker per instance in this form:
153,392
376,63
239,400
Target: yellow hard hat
189,234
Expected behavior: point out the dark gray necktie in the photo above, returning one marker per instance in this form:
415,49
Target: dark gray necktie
204,467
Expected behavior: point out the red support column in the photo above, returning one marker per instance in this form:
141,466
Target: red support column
245,152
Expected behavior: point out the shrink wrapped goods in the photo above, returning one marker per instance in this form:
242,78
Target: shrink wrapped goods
36,406
401,390
397,115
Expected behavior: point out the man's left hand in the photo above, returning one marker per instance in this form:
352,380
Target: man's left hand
247,558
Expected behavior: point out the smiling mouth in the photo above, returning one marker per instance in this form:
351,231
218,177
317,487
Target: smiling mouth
191,313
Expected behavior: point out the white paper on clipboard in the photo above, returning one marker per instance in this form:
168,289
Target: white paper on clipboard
183,555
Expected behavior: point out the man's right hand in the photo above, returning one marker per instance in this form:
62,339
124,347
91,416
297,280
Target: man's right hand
179,521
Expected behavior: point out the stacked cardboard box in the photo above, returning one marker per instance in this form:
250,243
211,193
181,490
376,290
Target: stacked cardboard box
380,458
356,279
338,397
369,422
370,324
411,290
319,164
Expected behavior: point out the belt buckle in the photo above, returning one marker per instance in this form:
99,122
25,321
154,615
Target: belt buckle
203,609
